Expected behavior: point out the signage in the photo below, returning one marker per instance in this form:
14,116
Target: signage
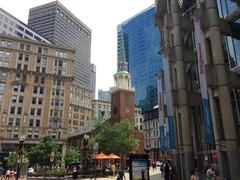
203,85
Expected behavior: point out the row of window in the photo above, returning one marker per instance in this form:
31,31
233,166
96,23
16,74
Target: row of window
6,43
5,54
79,28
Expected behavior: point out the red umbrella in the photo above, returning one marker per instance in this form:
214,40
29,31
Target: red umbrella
113,156
101,156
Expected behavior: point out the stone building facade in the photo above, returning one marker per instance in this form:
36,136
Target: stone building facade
35,79
196,44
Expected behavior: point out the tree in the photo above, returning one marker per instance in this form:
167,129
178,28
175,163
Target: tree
40,153
72,155
115,138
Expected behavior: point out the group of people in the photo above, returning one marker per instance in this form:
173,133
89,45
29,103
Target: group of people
168,171
9,174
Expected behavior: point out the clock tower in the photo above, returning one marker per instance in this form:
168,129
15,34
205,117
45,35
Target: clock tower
122,97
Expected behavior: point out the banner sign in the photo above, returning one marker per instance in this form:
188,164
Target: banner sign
160,110
208,129
168,90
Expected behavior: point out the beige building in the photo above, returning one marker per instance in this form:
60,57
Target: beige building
35,79
101,109
138,118
80,108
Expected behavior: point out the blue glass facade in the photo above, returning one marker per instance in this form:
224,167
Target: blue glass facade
141,40
226,7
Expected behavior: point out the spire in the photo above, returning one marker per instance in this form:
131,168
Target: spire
122,60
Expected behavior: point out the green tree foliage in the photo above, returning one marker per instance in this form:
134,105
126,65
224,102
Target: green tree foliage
14,157
72,155
115,138
41,152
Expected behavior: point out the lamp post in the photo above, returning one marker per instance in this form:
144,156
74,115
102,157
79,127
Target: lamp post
95,151
148,150
85,144
20,153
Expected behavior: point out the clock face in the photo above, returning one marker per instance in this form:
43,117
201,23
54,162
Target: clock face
115,110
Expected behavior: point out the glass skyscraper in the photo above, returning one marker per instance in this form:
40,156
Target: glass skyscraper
138,42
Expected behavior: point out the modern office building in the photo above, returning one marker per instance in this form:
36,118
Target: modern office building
59,25
93,79
101,109
138,42
104,95
35,79
13,26
200,41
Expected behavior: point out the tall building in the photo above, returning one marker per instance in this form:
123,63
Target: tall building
59,25
104,95
200,41
138,42
35,79
93,79
80,108
13,26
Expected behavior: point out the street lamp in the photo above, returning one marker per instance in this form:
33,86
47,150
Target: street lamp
95,152
85,144
148,150
20,153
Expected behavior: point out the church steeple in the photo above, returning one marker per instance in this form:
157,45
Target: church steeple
122,58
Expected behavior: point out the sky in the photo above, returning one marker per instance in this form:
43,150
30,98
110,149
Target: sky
102,17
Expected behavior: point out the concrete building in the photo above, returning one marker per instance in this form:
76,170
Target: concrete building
101,109
93,79
200,43
104,95
13,26
49,20
80,108
34,83
138,119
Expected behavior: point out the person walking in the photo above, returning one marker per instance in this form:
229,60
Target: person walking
166,171
211,173
194,175
121,175
113,167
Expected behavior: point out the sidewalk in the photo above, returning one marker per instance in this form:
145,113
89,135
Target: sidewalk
151,173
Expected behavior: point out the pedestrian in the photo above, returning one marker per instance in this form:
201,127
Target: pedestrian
74,173
173,173
166,171
194,175
121,175
113,167
143,174
210,173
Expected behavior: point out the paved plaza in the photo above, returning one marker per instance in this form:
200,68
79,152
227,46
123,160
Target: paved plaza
154,175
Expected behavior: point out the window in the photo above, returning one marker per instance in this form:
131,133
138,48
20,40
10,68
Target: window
19,110
19,66
12,110
32,112
10,121
26,57
17,122
30,123
37,123
39,112
14,98
29,134
41,90
35,89
9,134
36,134
40,100
15,134
34,100
20,99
